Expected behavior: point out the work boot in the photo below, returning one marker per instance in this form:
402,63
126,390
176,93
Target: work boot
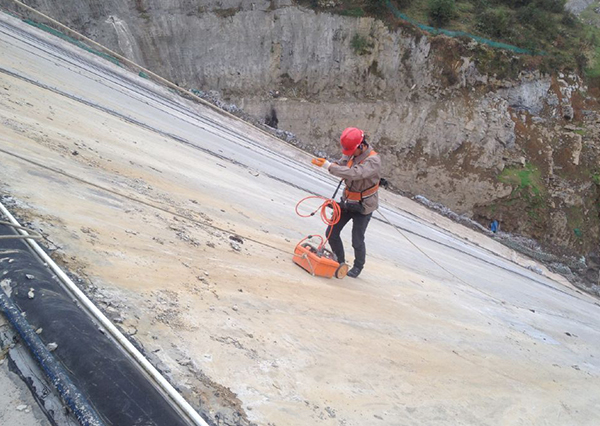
354,272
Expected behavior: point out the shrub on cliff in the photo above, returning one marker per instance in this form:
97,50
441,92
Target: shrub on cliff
360,45
441,11
554,6
540,20
497,23
376,7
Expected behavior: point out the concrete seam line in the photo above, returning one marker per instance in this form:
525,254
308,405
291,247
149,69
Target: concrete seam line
180,402
140,201
154,75
493,298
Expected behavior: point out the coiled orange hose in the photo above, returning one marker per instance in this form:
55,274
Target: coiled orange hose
329,221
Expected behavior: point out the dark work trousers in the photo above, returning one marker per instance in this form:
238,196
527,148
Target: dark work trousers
359,227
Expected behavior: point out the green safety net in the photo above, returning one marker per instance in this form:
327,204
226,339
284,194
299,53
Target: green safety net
71,40
450,33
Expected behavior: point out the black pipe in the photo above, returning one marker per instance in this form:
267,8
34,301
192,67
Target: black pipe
74,399
116,387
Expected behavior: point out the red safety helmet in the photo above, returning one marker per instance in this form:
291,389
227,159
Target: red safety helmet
351,139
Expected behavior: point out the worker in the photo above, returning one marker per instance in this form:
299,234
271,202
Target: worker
360,167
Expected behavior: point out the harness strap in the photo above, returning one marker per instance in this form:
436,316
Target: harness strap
358,196
351,161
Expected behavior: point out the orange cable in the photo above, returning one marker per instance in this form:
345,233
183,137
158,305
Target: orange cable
329,221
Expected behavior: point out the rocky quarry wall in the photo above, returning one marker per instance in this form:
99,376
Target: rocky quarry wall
450,118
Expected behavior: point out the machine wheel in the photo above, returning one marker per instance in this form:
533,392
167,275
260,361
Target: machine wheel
341,271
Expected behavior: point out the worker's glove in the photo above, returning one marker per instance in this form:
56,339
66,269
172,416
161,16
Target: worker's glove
321,162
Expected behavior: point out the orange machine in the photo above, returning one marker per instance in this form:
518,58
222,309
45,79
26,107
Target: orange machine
320,263
317,260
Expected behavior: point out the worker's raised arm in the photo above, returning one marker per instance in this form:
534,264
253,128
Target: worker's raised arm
369,168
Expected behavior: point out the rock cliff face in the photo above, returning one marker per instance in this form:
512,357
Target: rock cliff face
577,6
454,120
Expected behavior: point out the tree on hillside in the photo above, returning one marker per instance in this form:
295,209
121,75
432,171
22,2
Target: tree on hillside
441,11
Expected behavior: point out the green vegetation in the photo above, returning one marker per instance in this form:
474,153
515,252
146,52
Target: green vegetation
441,11
564,42
596,178
356,11
591,61
360,45
527,185
527,178
496,23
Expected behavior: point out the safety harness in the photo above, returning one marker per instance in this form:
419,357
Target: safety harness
359,196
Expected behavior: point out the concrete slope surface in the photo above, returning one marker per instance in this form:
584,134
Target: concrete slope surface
181,224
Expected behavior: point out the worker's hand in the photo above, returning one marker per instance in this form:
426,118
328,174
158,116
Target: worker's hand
321,162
